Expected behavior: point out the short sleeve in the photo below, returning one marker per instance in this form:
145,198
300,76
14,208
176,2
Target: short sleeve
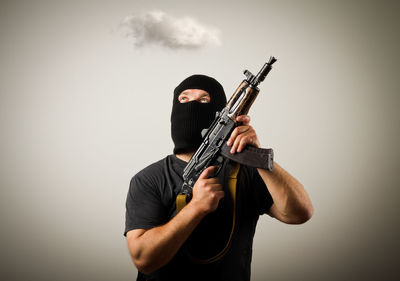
257,191
144,208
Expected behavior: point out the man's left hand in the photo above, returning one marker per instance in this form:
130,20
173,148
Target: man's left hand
243,135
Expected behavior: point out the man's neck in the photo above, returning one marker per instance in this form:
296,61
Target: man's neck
185,156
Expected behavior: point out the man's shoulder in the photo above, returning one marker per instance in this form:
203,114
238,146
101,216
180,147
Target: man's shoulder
154,169
155,178
157,170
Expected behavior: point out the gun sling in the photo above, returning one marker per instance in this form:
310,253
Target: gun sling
232,182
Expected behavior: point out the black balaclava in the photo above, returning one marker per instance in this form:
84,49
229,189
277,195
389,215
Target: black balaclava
189,119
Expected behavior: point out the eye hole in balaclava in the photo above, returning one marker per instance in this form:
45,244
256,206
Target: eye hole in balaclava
189,119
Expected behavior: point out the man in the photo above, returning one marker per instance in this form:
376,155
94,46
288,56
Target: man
163,243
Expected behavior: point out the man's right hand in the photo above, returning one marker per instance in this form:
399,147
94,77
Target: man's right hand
207,192
153,248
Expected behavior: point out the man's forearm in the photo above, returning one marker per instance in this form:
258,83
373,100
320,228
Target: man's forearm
291,202
154,248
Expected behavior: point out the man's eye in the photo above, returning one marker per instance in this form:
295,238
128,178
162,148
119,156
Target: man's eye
204,100
183,99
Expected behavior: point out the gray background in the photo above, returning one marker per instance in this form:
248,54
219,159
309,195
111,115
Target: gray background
81,111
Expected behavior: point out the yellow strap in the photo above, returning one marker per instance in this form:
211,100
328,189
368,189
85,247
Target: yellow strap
232,189
180,202
232,182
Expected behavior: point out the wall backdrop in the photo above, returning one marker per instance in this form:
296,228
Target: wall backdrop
85,99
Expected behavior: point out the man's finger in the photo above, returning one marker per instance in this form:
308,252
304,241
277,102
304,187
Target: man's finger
235,144
244,119
237,131
207,172
220,194
243,142
215,186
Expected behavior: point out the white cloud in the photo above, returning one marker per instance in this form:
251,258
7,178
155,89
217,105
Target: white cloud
156,27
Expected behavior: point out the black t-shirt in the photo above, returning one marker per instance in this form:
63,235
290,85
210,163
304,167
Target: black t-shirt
151,202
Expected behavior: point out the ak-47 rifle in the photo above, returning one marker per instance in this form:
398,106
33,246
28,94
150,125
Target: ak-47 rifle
213,150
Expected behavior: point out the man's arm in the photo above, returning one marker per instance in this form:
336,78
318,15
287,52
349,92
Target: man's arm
154,248
291,202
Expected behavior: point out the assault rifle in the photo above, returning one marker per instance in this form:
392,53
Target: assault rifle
213,150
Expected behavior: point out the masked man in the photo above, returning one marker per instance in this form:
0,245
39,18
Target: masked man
211,238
